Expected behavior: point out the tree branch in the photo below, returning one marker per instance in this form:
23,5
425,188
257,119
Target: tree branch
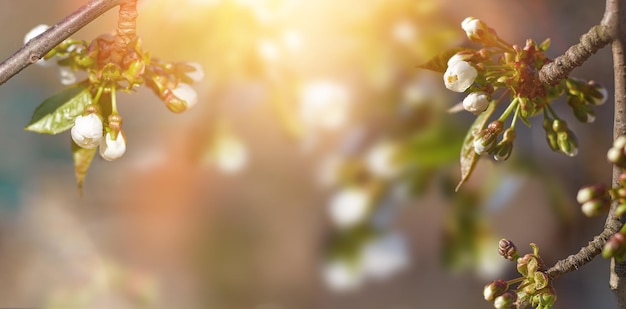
590,42
586,254
42,44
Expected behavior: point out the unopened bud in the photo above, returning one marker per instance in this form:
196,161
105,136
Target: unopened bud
591,192
568,144
507,249
613,246
506,300
595,207
616,156
495,289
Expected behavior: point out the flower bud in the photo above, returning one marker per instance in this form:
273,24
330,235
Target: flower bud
485,140
506,300
568,144
596,207
551,136
495,289
507,249
620,142
181,98
504,148
197,74
616,156
112,149
599,94
459,76
87,131
559,125
477,31
476,102
613,246
591,192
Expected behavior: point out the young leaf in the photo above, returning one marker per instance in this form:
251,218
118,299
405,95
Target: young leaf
57,113
469,157
82,161
440,62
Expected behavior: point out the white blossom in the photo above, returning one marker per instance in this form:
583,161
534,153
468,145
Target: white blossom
341,276
404,31
231,155
385,256
458,57
187,94
459,76
476,30
198,74
87,131
476,102
349,207
381,161
67,75
324,104
113,149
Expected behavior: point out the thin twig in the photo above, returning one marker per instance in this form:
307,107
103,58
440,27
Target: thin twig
42,44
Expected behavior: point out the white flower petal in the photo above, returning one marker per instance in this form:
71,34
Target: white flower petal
87,131
198,74
67,75
349,207
113,149
476,102
341,277
459,76
187,94
385,256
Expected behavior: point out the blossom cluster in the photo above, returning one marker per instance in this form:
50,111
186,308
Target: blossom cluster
512,69
96,70
534,286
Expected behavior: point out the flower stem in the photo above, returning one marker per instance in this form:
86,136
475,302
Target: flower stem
509,110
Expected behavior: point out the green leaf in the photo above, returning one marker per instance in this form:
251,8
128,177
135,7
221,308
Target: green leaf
545,45
469,157
82,161
57,113
440,62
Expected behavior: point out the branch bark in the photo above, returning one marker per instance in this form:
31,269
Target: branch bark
614,19
42,44
596,38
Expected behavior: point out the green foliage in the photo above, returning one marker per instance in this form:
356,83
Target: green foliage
57,113
82,161
469,157
439,63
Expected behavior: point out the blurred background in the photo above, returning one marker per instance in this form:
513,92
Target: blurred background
317,171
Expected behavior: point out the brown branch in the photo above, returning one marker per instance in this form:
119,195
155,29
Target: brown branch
42,44
587,253
590,42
